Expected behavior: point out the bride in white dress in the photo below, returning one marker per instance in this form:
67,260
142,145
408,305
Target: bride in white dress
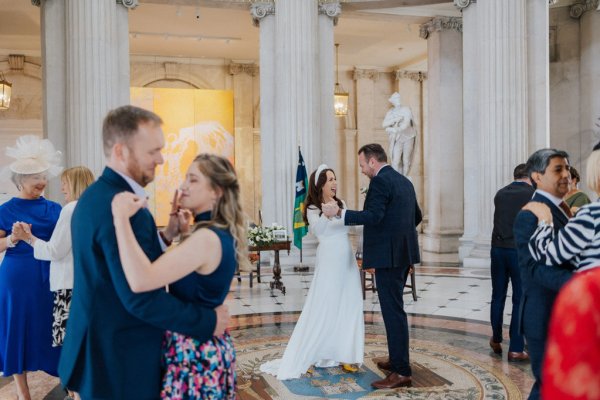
330,330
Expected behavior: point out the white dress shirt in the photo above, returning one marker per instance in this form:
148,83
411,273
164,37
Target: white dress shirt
58,250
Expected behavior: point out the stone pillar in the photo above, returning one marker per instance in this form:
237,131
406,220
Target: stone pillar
502,127
411,86
470,127
292,103
444,153
243,94
538,76
365,116
85,46
589,20
329,142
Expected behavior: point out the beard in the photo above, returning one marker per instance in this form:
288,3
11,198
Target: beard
137,173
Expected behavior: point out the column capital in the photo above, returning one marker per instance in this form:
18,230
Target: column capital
243,68
130,4
331,8
365,73
36,2
581,7
462,4
261,9
439,24
416,76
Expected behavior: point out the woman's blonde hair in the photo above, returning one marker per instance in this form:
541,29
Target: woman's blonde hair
593,171
78,179
227,212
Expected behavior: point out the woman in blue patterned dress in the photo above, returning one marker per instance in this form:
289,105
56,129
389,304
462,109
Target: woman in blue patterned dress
25,298
199,270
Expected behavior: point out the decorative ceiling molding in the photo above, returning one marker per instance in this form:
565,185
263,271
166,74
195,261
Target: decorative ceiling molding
362,73
416,76
130,4
439,24
462,4
581,7
261,9
331,8
240,68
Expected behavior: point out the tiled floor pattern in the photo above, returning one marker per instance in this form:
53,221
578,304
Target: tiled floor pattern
452,310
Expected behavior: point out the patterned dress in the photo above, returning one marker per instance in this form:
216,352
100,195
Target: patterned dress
25,297
195,370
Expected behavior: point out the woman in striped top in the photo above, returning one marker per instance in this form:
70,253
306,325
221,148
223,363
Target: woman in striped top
571,367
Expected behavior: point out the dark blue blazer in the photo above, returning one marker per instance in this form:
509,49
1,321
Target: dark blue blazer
390,216
112,348
540,283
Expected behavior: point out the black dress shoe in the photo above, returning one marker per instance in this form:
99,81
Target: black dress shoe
496,347
384,365
393,380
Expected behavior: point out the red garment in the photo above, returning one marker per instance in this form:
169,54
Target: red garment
571,368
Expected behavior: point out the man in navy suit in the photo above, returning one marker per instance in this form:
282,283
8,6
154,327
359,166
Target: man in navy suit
112,348
390,216
549,173
505,265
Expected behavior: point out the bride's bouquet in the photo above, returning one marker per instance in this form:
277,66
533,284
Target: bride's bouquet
263,235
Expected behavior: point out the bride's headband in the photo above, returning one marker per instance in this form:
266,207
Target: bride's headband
320,169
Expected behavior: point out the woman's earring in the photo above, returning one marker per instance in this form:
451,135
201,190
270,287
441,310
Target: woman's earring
19,188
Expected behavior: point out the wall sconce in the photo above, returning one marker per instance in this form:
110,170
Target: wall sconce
5,92
340,96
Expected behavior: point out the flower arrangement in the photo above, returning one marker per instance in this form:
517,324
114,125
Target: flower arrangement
263,235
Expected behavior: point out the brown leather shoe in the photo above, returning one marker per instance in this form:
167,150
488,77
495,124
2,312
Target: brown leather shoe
516,356
384,365
393,380
496,347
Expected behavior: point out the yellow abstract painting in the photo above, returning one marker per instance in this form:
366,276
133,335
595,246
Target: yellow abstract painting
194,121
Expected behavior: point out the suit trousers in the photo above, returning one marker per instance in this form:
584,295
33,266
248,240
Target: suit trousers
536,349
390,288
505,268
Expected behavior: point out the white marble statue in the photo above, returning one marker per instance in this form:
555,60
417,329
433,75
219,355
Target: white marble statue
398,124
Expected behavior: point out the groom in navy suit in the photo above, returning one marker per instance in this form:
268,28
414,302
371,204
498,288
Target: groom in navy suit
390,217
549,173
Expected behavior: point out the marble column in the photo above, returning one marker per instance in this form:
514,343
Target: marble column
538,74
444,152
365,79
330,143
243,95
293,109
589,81
411,86
470,127
502,112
85,47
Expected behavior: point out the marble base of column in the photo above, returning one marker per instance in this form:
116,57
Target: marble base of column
441,242
479,255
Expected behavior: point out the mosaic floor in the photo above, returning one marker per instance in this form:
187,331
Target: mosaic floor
449,352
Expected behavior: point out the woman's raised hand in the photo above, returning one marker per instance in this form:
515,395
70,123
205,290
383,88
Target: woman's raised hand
126,204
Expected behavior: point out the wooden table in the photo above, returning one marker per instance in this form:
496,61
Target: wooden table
276,283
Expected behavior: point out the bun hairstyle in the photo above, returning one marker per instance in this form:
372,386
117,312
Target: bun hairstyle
227,213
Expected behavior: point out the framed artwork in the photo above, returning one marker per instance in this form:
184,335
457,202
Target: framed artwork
194,121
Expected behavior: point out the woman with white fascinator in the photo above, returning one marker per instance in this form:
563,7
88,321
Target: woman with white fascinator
25,298
330,331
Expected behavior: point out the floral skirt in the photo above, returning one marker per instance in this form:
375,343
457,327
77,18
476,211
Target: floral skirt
195,370
60,312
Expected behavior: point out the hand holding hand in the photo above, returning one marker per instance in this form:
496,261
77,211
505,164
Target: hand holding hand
540,210
21,231
329,209
126,204
222,312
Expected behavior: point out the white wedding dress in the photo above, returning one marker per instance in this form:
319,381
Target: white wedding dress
331,327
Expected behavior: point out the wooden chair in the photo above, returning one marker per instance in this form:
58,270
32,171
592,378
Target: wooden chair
368,281
238,273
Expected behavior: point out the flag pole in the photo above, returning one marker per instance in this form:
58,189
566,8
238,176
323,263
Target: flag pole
299,204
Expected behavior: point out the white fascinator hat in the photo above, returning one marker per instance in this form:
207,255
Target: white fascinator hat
33,156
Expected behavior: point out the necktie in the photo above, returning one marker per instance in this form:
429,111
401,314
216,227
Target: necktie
566,209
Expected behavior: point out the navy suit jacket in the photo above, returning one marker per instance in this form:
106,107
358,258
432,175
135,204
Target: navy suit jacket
390,216
112,348
540,283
